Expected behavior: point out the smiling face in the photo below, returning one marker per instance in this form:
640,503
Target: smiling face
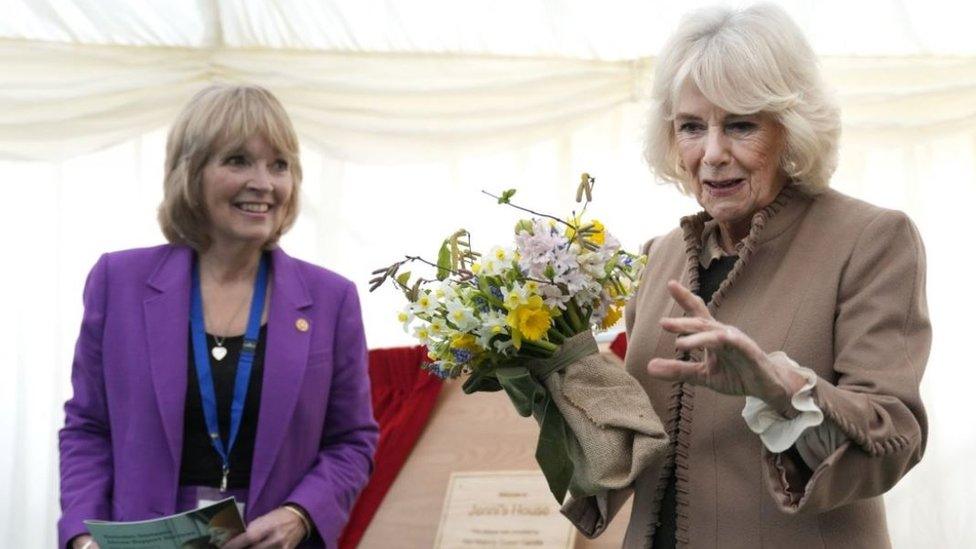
246,191
732,161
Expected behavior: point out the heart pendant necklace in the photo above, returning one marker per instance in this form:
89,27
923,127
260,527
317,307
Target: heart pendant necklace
219,351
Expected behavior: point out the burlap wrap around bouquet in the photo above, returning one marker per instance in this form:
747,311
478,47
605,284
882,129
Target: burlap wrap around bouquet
598,430
521,319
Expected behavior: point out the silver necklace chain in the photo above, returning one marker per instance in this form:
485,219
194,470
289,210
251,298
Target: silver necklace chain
219,351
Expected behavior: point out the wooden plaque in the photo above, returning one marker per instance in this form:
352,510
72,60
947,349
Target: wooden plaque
466,434
501,509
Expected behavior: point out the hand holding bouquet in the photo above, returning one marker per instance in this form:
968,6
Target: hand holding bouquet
521,319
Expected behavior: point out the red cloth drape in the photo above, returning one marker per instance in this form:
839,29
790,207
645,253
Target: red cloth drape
403,399
619,345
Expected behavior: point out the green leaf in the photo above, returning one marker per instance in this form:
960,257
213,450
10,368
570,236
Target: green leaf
553,450
521,387
523,225
444,261
414,292
480,381
403,278
485,286
506,196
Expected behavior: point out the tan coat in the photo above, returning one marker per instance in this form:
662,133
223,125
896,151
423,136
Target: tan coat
839,286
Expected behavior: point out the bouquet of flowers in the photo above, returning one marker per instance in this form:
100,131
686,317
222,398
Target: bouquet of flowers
521,319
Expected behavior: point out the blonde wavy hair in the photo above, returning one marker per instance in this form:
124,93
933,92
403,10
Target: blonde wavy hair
218,118
745,62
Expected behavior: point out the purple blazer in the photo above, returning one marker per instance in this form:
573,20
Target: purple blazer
122,440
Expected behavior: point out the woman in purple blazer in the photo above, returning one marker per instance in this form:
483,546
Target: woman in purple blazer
217,365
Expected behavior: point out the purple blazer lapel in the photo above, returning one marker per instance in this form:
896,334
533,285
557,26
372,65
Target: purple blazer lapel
167,314
285,359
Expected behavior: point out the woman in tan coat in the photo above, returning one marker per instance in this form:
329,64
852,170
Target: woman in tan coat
781,333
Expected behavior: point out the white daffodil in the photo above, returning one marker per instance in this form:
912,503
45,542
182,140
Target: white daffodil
444,291
406,316
492,323
504,256
495,322
461,316
426,303
422,333
514,297
484,338
505,347
438,327
491,267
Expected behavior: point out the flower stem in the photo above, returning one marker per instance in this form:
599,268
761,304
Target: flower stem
531,351
573,312
533,212
555,336
564,328
542,345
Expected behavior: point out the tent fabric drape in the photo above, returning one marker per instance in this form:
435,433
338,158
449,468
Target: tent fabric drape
404,396
379,82
67,99
405,112
63,100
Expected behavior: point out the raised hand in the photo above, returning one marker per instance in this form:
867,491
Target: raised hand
732,363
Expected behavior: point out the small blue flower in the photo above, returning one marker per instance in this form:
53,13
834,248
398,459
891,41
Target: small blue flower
496,291
461,356
438,369
481,304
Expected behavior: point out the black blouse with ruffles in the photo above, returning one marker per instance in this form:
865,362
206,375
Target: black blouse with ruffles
709,279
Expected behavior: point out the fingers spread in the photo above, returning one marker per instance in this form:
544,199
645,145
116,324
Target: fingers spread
687,325
691,303
674,370
712,339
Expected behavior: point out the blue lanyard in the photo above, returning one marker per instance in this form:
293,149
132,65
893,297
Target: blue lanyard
202,360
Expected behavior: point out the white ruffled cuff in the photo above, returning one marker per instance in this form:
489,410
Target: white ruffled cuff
777,432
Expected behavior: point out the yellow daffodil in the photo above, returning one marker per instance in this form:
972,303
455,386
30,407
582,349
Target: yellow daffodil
529,321
600,234
613,315
465,342
597,234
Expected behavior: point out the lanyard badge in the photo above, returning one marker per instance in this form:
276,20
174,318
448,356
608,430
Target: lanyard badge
201,359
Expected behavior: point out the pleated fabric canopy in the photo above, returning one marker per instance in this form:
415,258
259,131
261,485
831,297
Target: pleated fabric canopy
382,81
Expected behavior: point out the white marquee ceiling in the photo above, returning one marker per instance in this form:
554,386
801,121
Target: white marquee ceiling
383,80
582,29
